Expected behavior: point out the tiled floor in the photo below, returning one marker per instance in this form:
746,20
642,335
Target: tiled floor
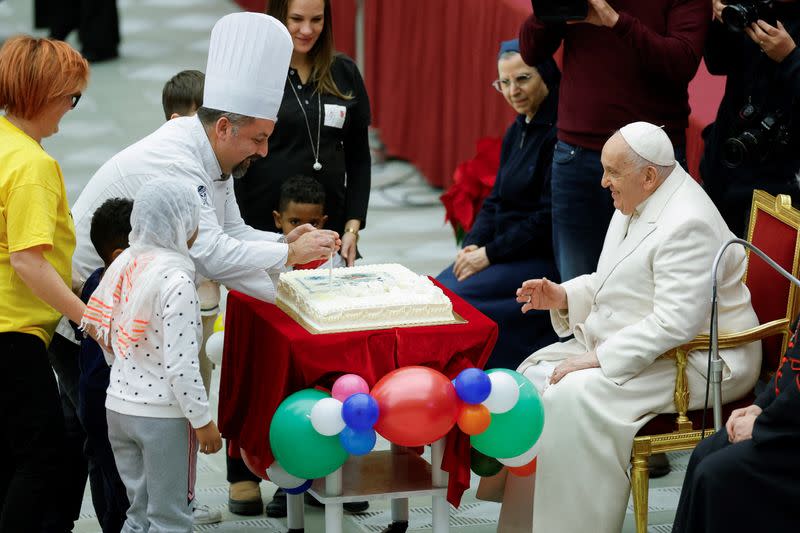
406,223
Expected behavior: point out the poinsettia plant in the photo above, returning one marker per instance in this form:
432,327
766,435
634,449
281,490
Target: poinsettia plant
472,182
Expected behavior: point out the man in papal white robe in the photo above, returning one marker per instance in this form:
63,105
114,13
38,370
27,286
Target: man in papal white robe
650,293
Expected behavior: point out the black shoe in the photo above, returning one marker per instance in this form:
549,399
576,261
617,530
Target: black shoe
276,508
396,527
350,507
356,507
658,465
98,56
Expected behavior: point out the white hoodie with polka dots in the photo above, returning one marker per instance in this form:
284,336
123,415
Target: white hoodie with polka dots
160,375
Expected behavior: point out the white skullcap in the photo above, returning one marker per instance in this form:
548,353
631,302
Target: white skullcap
650,142
248,59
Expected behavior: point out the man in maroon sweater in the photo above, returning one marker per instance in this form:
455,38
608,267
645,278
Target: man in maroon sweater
629,60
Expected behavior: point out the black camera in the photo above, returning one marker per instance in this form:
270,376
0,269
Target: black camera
764,135
550,11
740,15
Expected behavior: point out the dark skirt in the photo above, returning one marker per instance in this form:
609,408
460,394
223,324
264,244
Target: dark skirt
740,487
493,292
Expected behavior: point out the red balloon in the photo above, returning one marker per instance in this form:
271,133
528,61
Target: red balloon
524,470
418,405
255,464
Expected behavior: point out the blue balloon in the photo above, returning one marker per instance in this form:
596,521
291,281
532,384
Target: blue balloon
360,411
473,385
357,442
299,490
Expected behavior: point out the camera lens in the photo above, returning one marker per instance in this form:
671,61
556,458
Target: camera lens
734,152
738,16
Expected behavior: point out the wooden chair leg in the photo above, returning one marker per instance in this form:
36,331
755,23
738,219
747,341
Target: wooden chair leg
640,481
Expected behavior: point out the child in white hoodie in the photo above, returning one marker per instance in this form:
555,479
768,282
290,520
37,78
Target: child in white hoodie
146,308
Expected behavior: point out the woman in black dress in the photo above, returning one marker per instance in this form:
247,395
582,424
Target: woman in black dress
321,130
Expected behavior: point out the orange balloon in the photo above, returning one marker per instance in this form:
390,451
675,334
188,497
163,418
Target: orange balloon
524,470
474,419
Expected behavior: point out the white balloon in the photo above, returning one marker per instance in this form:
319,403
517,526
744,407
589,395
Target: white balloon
504,395
282,478
523,459
326,417
214,347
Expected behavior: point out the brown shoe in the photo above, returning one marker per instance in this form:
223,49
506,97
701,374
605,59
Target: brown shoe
244,498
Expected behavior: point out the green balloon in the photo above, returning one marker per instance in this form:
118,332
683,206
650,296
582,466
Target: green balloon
482,464
297,446
514,432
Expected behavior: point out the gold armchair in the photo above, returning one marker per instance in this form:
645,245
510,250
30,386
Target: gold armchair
775,229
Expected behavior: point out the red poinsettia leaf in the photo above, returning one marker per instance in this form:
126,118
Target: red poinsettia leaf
473,180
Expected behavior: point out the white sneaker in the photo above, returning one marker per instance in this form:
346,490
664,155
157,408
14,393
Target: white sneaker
203,514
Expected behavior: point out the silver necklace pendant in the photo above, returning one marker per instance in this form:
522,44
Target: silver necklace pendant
314,150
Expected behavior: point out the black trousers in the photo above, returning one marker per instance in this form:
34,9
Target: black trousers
64,510
237,470
31,433
97,22
109,496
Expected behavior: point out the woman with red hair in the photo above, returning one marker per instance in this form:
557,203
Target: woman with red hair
40,80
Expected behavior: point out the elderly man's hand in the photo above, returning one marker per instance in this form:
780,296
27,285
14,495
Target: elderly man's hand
737,415
600,14
571,364
312,246
775,42
470,261
541,294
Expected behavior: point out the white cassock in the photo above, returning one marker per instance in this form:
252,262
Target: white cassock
227,250
651,292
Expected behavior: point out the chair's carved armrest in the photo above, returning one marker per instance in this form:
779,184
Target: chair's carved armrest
703,342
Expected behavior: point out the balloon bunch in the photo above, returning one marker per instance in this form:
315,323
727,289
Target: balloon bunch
300,450
504,417
350,414
312,433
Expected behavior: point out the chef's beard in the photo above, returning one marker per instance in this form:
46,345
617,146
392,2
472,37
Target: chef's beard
241,169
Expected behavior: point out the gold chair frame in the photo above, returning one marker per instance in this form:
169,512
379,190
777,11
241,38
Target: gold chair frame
685,437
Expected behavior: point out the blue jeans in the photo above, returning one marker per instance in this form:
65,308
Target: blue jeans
581,208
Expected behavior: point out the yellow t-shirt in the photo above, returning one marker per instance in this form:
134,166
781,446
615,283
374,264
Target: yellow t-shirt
33,212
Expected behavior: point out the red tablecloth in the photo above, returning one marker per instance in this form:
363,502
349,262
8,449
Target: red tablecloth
268,356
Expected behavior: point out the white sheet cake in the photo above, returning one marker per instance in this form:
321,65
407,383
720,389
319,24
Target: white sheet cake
363,297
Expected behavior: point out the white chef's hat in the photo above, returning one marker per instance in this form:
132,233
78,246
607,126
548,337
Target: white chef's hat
248,58
649,141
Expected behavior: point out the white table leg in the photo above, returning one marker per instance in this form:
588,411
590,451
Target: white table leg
399,505
440,507
334,512
400,510
294,512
